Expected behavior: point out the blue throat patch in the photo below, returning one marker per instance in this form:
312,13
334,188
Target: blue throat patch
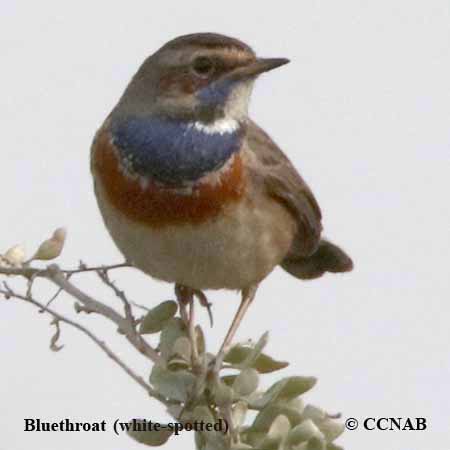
216,93
172,152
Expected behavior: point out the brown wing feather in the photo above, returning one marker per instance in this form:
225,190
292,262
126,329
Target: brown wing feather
285,185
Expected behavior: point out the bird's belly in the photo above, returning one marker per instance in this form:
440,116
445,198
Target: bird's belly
233,250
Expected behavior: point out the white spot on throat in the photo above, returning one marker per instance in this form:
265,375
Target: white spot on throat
143,182
220,126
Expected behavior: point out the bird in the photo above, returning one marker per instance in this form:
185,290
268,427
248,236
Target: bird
192,191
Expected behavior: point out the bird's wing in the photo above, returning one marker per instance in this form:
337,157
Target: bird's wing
283,183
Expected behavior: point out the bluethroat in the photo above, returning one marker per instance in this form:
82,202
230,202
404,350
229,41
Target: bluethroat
192,191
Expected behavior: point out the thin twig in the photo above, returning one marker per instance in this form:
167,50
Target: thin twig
8,292
84,268
144,308
192,334
182,293
54,274
54,296
103,275
54,340
127,327
24,271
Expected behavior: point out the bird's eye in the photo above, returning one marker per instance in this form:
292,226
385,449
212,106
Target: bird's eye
203,66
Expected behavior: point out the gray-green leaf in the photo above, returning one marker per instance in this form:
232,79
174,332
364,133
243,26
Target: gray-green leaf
246,382
153,438
174,329
182,348
316,443
331,429
222,393
200,339
263,363
280,427
202,413
292,387
266,416
286,389
156,319
334,447
239,413
303,432
228,379
173,385
254,353
277,433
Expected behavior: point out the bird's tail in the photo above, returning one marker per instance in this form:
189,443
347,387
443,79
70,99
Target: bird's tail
327,258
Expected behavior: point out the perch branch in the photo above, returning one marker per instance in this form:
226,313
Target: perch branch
60,278
9,293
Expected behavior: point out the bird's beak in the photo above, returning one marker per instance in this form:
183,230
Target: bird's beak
257,67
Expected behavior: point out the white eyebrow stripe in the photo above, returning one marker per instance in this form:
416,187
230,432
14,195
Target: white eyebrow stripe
220,126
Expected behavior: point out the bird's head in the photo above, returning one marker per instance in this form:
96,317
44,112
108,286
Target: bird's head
201,77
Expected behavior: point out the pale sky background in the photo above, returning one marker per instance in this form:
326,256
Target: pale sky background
363,111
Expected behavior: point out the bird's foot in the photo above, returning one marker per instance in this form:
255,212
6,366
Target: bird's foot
203,300
185,296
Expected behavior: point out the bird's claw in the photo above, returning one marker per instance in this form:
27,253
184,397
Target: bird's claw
203,300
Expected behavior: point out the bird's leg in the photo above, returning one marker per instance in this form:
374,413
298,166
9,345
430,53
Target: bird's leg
193,334
184,297
205,303
248,295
